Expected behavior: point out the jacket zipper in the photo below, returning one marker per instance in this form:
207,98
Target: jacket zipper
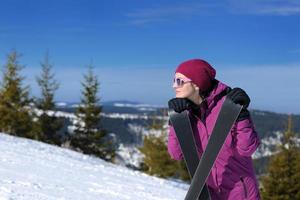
244,186
207,136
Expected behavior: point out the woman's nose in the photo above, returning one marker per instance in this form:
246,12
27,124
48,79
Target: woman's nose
174,85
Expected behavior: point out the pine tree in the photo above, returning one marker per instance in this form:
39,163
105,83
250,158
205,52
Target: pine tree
283,179
15,115
157,160
49,124
88,136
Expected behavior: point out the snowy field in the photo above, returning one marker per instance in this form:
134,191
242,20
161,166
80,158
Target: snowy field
33,170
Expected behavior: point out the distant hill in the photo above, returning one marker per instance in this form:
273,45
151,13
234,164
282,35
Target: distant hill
266,122
129,121
129,107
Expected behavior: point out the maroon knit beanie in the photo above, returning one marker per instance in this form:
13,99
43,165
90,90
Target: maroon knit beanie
199,71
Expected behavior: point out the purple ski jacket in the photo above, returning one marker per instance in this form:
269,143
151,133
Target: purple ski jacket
232,175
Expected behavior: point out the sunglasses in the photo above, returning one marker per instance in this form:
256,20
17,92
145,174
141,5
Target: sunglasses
179,82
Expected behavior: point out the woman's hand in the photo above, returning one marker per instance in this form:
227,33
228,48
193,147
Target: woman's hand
239,96
180,104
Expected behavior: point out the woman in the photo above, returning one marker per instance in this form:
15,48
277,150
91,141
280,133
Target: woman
232,175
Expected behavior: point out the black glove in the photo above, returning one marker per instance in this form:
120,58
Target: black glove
181,104
239,96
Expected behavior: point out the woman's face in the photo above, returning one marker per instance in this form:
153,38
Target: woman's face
183,86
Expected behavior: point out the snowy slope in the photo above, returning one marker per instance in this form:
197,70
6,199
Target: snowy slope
33,170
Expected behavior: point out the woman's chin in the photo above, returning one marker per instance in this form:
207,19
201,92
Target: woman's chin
180,96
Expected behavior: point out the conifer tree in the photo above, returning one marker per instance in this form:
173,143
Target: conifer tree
283,179
88,136
157,160
16,117
49,124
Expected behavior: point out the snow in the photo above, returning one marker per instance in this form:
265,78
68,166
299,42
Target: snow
131,105
33,170
61,104
129,156
269,145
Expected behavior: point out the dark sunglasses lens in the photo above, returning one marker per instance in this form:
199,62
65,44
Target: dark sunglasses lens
178,81
182,82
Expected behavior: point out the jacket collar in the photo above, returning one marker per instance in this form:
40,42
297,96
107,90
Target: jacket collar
217,92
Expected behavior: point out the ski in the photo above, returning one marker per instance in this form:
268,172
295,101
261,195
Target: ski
183,130
225,120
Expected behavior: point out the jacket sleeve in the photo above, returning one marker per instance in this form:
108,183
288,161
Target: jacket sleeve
247,140
173,145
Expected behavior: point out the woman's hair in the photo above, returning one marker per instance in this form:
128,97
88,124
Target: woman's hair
204,94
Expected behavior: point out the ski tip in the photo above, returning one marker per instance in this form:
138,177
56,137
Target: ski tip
171,112
229,101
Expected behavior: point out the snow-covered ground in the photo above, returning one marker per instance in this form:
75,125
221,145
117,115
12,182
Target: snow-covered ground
34,170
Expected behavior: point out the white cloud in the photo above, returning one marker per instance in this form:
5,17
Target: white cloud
275,10
147,84
177,10
171,12
265,7
272,88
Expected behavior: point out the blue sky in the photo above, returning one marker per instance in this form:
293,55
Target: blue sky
136,45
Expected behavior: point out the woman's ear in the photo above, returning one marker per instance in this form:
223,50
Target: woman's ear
195,87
